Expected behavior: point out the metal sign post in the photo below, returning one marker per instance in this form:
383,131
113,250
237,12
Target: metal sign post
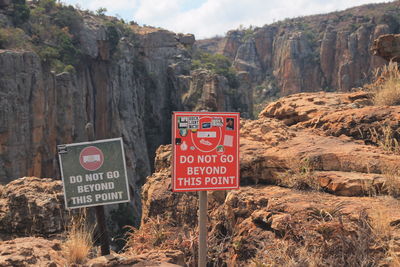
205,157
94,174
202,228
100,216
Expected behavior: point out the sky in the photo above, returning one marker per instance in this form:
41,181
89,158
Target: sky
209,18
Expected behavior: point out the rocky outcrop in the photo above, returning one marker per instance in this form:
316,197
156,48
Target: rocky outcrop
323,52
209,91
124,90
387,46
328,188
31,251
32,206
161,258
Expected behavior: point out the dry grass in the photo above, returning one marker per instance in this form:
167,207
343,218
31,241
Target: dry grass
79,242
386,138
329,241
158,234
299,175
386,89
1,189
391,186
384,232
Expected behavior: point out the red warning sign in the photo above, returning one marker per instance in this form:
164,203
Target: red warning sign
205,151
91,158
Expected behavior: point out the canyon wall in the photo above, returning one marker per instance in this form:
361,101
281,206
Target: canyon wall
328,52
126,84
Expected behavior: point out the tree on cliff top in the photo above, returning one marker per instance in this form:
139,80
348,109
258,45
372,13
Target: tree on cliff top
216,63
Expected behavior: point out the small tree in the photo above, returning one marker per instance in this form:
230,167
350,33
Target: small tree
101,11
21,12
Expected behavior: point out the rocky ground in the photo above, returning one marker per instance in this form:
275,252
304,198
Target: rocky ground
317,188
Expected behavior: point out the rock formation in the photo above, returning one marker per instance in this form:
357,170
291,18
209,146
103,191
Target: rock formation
387,46
31,251
328,52
310,174
126,80
32,206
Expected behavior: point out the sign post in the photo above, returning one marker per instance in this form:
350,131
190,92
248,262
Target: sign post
94,174
205,157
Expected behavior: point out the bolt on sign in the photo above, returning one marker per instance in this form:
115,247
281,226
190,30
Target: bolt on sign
205,151
94,173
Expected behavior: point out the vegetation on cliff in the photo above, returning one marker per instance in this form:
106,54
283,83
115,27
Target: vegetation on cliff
53,31
216,63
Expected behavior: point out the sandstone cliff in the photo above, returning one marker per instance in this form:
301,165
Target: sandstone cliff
62,67
324,52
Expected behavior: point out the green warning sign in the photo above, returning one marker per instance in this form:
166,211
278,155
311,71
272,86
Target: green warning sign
94,173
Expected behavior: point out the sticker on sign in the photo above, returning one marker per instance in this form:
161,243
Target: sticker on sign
212,162
94,173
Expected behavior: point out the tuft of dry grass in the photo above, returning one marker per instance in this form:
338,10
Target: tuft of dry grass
300,175
391,186
158,234
386,138
79,242
386,89
330,241
384,233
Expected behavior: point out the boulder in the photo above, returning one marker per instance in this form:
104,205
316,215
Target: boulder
186,39
32,206
387,46
155,258
305,106
31,251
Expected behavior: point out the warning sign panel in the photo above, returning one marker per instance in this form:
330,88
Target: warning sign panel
94,173
205,151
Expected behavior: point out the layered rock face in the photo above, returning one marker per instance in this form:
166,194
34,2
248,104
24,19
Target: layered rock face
324,52
313,174
387,46
40,110
127,83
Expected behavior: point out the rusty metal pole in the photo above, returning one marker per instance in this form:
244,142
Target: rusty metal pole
202,228
100,215
203,201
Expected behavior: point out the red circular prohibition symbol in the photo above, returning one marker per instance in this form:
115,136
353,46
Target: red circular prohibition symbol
91,158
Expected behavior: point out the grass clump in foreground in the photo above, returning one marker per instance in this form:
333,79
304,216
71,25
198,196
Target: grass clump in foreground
335,241
79,242
300,175
386,89
386,138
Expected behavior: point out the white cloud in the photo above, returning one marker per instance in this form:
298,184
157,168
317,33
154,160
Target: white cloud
207,18
218,16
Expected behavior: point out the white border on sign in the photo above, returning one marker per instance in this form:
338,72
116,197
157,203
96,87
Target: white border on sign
188,113
126,174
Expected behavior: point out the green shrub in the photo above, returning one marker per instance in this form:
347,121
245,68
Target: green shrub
217,63
67,16
69,54
21,12
112,35
70,69
101,11
12,38
48,5
47,53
